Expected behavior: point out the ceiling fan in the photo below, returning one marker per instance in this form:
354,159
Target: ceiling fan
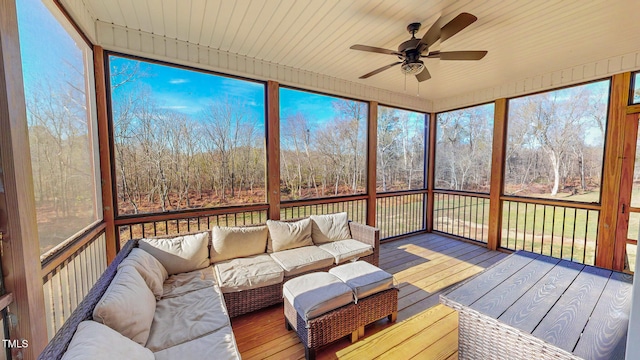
411,51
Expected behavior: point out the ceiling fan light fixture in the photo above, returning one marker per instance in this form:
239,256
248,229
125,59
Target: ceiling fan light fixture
412,68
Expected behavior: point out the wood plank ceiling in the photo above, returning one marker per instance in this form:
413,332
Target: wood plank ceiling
524,38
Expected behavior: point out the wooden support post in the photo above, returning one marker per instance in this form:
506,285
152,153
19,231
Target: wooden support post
626,187
273,149
20,245
104,143
372,156
611,175
430,171
497,173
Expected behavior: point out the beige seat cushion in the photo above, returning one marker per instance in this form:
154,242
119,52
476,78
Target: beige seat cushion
288,235
219,344
330,227
96,341
183,283
365,279
297,261
151,270
127,306
179,254
239,241
187,317
248,273
317,293
345,250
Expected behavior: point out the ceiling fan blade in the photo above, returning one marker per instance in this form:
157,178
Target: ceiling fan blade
375,50
432,35
377,71
424,75
456,25
458,55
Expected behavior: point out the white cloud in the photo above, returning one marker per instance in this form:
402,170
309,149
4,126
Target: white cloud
178,81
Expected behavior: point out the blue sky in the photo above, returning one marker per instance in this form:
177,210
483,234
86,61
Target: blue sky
46,48
189,92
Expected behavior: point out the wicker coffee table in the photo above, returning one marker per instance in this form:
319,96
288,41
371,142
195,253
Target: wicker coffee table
530,306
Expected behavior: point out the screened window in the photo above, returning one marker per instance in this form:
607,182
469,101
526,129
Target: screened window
464,141
58,83
401,151
185,139
555,143
323,145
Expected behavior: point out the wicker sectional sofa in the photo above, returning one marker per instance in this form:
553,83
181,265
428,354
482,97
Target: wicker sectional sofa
173,297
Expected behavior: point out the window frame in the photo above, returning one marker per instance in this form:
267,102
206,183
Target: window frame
604,144
425,160
112,146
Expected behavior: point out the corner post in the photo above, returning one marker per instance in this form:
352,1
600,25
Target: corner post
104,144
611,203
20,246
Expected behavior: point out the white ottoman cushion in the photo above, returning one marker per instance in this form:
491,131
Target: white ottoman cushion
316,294
365,279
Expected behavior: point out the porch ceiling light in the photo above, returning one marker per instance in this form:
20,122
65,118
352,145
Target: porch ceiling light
412,68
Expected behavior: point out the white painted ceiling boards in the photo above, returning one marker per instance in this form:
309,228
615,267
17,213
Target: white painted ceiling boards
532,44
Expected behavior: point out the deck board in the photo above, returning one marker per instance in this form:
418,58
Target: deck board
424,266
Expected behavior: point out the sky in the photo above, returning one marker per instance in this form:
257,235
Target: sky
189,92
49,52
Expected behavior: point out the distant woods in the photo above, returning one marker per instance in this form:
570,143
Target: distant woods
62,154
555,144
167,160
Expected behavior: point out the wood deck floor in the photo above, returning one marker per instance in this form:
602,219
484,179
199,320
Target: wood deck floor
424,266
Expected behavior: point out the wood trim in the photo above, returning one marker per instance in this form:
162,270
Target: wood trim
106,179
497,173
632,241
273,150
431,171
139,219
461,193
372,158
549,202
320,201
611,174
20,246
633,109
626,187
52,263
73,23
401,192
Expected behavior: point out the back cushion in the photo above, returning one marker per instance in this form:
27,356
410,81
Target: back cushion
235,242
288,235
331,227
151,270
180,254
96,341
127,306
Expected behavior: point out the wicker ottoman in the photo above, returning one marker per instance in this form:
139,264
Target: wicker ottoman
320,307
373,289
